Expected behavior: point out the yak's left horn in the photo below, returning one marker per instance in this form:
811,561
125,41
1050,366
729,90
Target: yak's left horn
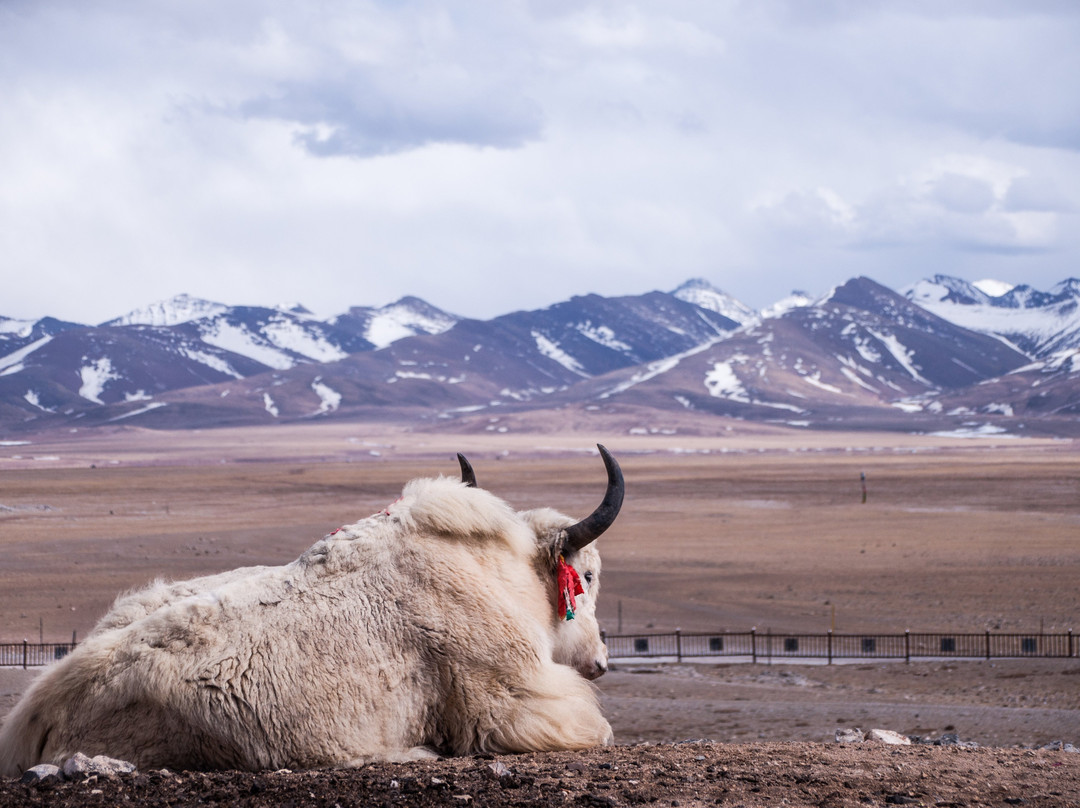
589,529
468,476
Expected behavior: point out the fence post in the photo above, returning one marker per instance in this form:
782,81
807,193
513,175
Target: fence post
988,643
24,654
829,643
907,646
753,644
678,645
1070,643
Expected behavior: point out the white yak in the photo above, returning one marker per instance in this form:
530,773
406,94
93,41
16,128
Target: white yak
433,627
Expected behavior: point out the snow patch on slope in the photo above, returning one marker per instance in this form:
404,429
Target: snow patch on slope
94,378
994,288
35,401
815,380
211,361
18,328
329,398
901,354
702,293
723,382
552,351
602,335
398,321
796,300
654,369
15,358
241,341
291,336
153,406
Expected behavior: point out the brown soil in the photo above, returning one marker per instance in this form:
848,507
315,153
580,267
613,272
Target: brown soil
691,774
715,535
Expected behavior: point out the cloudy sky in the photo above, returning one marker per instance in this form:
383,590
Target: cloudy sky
492,155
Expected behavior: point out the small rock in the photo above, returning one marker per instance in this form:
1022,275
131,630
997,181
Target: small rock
849,735
887,736
41,773
80,766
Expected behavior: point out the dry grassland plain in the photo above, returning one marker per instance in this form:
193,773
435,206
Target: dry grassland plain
763,530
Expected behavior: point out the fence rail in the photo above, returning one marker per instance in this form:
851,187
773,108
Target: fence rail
760,646
27,654
754,644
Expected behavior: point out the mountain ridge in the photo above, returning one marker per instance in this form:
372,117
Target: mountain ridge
860,354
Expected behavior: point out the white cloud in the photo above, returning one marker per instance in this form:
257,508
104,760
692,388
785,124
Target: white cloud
491,156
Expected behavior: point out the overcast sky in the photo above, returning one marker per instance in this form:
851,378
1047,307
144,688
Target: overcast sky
498,155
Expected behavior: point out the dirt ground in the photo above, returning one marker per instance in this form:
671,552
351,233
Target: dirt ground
690,775
717,533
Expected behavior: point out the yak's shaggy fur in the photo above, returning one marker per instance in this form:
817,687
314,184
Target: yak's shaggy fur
428,628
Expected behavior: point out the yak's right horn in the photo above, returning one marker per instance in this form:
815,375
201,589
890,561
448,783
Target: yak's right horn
589,529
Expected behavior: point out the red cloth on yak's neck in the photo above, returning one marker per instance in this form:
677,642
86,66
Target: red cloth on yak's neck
569,585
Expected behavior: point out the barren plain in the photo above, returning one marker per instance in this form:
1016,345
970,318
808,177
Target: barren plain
761,529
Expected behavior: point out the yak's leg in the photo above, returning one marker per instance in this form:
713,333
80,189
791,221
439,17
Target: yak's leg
559,710
402,756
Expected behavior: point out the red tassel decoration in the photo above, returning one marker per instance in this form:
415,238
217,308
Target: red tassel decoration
569,585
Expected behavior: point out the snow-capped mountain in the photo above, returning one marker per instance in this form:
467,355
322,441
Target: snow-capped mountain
176,310
19,338
861,356
407,317
1039,323
796,300
702,293
54,367
992,287
518,359
861,350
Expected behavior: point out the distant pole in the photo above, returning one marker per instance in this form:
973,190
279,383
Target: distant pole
862,479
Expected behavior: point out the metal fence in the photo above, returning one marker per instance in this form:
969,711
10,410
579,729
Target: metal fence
759,646
26,654
753,645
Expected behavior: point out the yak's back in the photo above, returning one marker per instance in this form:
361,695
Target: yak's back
447,509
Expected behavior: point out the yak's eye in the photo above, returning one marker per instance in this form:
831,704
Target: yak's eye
588,577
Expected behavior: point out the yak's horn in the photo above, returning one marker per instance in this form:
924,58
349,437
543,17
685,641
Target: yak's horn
589,529
468,476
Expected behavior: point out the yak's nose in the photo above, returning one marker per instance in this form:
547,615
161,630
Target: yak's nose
599,670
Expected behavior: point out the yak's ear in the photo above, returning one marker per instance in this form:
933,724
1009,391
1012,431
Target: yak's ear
589,529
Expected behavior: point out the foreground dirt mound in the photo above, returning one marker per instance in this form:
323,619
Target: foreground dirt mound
686,774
